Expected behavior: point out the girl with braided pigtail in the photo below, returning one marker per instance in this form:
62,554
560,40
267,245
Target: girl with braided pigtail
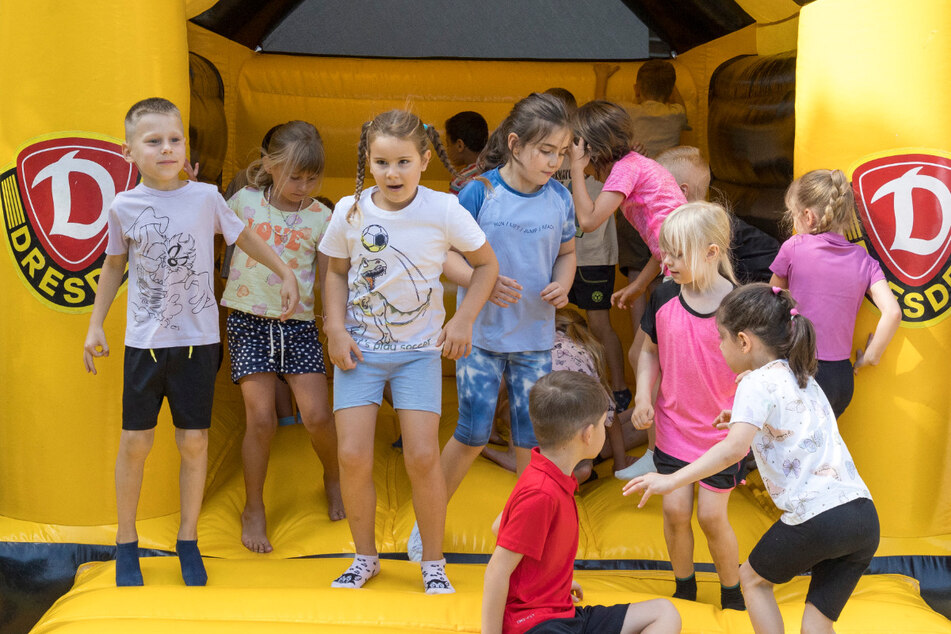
829,526
829,276
384,324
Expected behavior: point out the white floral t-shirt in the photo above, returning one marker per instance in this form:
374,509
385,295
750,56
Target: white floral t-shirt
805,465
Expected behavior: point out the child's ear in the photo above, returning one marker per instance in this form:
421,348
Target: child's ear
267,163
586,433
425,160
127,153
743,339
460,145
713,252
512,142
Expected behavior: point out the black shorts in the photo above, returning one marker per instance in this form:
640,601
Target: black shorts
837,380
592,287
836,546
261,344
632,252
185,375
592,618
726,480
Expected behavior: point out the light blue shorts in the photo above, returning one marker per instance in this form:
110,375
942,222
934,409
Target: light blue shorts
478,378
415,379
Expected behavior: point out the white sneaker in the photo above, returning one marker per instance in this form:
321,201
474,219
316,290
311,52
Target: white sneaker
414,547
642,466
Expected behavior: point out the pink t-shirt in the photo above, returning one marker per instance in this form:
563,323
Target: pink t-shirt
828,276
696,384
650,194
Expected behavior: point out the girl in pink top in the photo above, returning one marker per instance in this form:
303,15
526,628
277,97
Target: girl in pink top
645,191
682,347
829,276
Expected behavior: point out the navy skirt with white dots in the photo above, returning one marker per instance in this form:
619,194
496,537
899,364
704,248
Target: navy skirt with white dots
262,344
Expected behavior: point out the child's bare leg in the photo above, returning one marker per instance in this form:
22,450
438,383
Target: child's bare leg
311,392
715,523
615,441
134,447
678,533
356,427
456,459
193,447
761,603
258,393
421,454
505,459
657,616
815,622
283,401
600,322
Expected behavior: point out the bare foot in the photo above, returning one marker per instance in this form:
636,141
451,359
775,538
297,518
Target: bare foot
254,531
334,500
505,459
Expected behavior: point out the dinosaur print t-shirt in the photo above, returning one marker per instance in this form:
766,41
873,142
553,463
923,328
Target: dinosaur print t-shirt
805,465
169,238
395,299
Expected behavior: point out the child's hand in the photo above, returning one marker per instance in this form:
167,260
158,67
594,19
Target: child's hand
95,346
506,292
579,154
626,296
191,171
861,359
340,345
650,484
722,421
290,296
643,415
602,69
577,594
741,376
455,338
555,294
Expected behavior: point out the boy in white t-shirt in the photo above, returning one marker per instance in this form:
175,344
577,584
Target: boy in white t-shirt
164,228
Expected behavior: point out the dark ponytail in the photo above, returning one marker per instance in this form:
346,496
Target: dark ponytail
770,314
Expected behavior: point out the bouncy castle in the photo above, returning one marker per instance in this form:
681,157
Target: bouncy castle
773,89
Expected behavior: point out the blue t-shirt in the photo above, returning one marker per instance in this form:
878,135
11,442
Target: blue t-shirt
525,231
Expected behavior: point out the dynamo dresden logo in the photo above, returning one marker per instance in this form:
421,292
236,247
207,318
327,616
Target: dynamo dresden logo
55,211
904,201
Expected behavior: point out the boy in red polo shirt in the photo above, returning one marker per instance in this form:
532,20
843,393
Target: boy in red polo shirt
528,582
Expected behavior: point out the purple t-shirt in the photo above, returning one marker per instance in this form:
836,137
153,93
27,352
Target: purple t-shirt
650,194
696,384
828,276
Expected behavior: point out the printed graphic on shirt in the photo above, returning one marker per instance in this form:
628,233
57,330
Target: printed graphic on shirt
904,202
370,307
165,275
55,202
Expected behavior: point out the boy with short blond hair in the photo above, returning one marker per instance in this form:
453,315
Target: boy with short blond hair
529,583
164,229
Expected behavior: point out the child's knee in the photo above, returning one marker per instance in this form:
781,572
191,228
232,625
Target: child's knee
136,444
354,457
749,579
317,422
678,513
421,460
713,521
192,443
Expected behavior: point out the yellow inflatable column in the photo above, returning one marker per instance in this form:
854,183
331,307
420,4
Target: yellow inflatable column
872,98
72,70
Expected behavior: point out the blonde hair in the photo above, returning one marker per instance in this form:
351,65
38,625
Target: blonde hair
296,146
828,194
570,322
398,124
686,164
690,230
152,105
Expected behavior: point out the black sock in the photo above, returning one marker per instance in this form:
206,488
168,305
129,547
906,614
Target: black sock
128,572
732,598
193,569
686,588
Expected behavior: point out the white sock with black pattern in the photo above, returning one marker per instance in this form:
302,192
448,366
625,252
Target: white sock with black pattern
363,568
434,577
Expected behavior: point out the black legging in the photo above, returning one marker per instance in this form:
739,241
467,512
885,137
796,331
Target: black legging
837,381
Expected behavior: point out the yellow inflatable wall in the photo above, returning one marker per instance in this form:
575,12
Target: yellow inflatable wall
861,67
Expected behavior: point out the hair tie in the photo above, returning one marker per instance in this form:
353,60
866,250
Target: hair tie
792,313
776,290
425,127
